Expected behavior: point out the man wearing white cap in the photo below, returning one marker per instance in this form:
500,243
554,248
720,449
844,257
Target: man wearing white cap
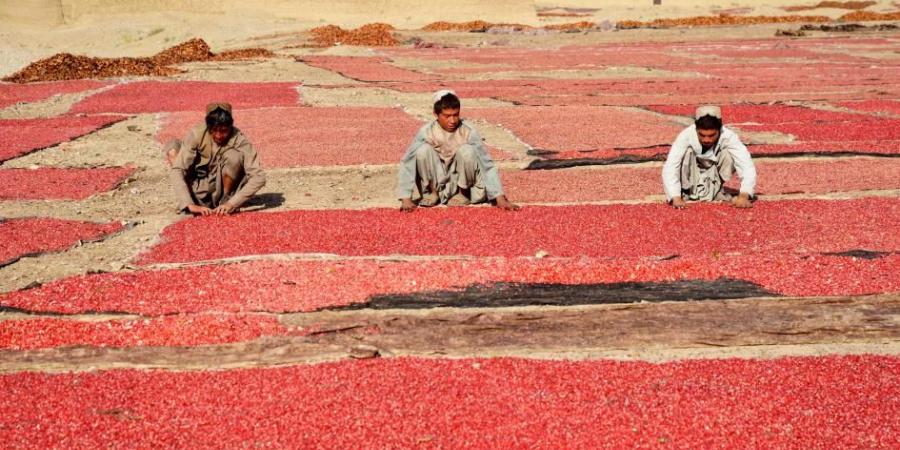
214,169
703,158
447,158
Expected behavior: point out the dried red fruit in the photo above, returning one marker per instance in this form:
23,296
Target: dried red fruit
66,66
48,183
27,135
601,231
160,96
31,236
705,21
815,402
369,35
11,94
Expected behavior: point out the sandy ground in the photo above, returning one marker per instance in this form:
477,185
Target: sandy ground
39,28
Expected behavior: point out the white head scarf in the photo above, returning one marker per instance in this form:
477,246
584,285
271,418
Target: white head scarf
708,110
437,96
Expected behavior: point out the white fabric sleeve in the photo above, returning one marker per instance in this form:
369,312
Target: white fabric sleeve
406,175
671,173
743,163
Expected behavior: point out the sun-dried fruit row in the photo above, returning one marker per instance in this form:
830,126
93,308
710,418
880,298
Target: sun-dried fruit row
814,402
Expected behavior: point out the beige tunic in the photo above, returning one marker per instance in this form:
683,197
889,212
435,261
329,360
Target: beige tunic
422,163
446,143
196,173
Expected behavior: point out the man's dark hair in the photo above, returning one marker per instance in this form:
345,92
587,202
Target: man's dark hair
708,123
448,101
218,117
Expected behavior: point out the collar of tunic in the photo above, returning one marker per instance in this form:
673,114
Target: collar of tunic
446,143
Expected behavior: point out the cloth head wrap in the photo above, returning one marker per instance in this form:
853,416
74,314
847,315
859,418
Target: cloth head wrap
218,105
437,96
708,110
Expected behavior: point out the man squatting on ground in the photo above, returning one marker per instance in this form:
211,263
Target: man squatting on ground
703,158
447,158
214,169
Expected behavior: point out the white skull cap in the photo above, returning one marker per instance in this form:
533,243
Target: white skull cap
437,96
708,110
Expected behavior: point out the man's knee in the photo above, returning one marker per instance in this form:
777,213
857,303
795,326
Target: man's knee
174,144
233,165
727,168
467,162
424,153
467,167
425,163
171,149
467,154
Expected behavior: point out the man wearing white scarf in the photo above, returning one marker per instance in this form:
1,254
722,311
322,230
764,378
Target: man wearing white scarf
703,158
447,158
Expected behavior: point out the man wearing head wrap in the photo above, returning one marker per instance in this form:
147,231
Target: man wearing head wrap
703,158
214,169
446,159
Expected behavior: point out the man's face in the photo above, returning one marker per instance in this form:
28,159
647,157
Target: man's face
449,119
220,134
708,138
